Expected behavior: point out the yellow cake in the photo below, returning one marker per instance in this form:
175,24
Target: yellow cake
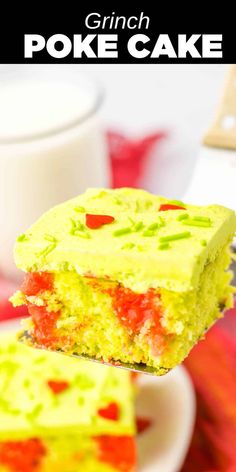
67,416
125,276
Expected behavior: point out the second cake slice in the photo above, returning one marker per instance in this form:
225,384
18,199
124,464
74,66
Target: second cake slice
67,416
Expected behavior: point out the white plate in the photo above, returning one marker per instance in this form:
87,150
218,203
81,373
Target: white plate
170,402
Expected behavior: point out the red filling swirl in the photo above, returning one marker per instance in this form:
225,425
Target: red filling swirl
44,321
36,282
118,451
22,456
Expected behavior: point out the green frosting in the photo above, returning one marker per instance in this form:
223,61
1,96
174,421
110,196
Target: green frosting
29,408
142,248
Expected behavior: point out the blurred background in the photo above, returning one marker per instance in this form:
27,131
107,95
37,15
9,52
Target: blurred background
179,99
65,128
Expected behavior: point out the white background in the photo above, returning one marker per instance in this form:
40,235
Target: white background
179,98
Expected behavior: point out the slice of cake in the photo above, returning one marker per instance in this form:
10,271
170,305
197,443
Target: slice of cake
64,416
125,276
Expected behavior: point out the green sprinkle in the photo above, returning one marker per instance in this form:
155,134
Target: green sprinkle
79,225
175,237
177,202
148,233
79,229
73,223
22,238
39,360
26,383
122,231
183,216
4,405
79,209
161,222
50,238
164,246
14,411
138,226
64,266
131,221
84,382
9,366
202,218
140,248
47,250
201,224
203,242
81,401
76,226
148,204
128,246
33,267
50,247
82,235
153,226
117,201
35,412
100,194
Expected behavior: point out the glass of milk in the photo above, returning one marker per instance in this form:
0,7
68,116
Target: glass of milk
52,146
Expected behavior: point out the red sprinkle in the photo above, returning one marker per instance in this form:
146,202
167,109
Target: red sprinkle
118,451
22,456
110,412
35,282
168,206
58,386
96,221
142,424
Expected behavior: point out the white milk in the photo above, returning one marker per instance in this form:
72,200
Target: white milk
51,146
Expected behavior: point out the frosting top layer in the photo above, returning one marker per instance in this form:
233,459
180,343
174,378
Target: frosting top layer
43,393
128,235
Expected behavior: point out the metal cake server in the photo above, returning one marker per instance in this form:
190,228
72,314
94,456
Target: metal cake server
214,176
27,339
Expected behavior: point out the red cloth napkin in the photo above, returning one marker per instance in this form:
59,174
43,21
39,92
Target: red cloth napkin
211,364
129,157
7,312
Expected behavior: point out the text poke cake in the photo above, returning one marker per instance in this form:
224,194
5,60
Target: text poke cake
63,416
125,276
